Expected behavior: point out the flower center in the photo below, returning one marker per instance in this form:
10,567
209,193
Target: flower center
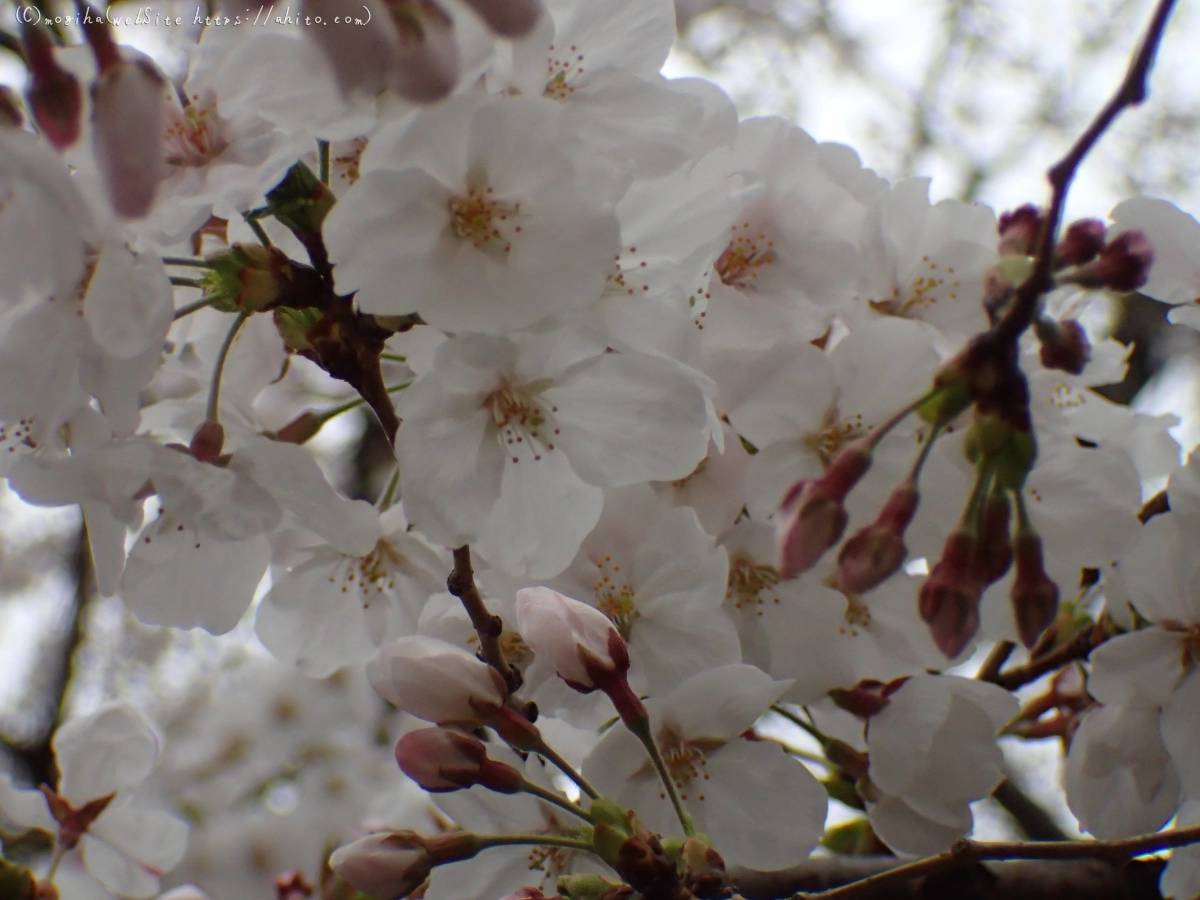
374,574
739,263
685,761
922,293
477,217
748,582
196,135
522,424
615,597
835,435
559,73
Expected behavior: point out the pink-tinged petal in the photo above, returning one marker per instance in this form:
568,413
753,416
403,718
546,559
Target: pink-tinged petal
509,18
155,839
129,129
108,751
117,872
129,302
1180,726
427,65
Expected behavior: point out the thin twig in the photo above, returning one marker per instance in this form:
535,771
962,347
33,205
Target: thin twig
990,670
188,308
1079,647
1131,93
461,584
966,852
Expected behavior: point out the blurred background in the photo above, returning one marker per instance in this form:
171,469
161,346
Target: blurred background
980,95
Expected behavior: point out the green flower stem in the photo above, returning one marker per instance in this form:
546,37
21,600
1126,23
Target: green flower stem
189,308
259,232
567,769
528,787
186,282
186,261
540,840
642,733
323,161
214,391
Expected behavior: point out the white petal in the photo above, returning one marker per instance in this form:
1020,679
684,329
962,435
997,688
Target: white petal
1180,724
177,577
108,751
24,809
151,837
129,303
115,871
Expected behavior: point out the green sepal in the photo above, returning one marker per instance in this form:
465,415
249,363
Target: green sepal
301,201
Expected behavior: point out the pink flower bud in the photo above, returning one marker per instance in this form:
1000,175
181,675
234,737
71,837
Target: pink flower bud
207,441
949,598
361,56
509,18
875,552
292,885
1065,345
811,517
390,865
583,646
995,540
426,67
574,637
1082,241
1123,265
441,759
436,681
54,95
1019,230
1034,596
129,122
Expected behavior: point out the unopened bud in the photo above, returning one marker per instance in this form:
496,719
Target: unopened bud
388,865
874,553
811,518
301,200
1123,265
509,18
575,638
1019,229
427,65
1065,345
207,441
54,95
247,278
129,133
995,540
441,759
1034,596
437,681
949,598
1083,240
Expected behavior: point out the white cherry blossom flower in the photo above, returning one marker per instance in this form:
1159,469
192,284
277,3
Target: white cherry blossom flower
102,757
932,753
760,806
507,442
484,214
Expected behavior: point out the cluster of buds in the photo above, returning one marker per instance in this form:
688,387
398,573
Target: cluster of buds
1085,257
406,45
248,278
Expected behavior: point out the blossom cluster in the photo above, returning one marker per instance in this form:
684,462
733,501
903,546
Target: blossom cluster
711,428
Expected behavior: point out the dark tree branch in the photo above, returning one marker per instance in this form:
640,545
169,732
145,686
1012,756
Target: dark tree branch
37,757
461,584
1017,880
1131,93
1078,648
1032,819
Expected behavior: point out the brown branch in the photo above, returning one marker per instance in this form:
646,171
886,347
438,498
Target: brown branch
1013,880
1078,648
461,584
1131,93
1033,820
990,670
966,852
